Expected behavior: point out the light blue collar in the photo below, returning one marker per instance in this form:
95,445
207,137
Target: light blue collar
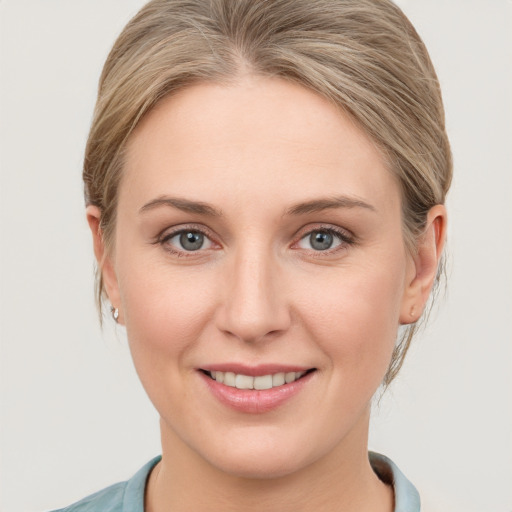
407,498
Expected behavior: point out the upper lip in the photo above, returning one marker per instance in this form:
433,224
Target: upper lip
255,371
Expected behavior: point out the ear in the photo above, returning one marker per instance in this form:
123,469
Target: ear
423,266
104,259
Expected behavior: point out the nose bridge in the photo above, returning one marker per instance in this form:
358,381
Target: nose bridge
254,304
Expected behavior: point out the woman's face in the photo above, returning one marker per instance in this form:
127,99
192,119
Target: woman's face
258,234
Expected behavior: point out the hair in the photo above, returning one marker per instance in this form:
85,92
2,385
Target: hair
362,55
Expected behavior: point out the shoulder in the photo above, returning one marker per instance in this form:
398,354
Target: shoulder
121,497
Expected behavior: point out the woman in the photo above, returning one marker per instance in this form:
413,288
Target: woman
265,185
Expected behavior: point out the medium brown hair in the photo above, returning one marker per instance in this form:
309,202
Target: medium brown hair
362,55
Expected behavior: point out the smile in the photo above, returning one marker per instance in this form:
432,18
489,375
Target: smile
255,394
262,382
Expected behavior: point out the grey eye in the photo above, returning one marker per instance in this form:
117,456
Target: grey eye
191,240
321,240
187,241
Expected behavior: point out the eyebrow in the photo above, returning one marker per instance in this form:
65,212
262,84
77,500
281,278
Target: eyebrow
184,205
313,206
318,205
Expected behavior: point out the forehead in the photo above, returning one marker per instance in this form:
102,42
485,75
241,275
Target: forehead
260,136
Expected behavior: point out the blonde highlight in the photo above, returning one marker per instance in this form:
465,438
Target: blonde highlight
362,55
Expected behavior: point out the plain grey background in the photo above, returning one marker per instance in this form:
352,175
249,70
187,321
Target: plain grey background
73,416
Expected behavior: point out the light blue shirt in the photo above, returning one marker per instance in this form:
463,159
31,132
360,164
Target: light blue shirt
129,496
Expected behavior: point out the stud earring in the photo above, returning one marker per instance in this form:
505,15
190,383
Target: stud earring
115,313
413,307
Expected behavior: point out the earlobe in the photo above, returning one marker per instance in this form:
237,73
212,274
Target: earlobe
425,263
104,260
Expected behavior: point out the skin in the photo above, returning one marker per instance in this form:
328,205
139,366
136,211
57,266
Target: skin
258,292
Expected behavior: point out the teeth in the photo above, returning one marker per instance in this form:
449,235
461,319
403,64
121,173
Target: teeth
239,381
244,382
289,377
278,379
229,379
263,382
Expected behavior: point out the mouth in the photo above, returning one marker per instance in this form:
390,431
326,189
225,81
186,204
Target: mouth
260,382
256,389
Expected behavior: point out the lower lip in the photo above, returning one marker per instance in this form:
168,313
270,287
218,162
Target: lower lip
255,401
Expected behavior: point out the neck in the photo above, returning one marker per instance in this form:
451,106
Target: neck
342,480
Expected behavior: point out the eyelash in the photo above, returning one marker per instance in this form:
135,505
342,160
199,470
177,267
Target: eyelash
165,237
345,238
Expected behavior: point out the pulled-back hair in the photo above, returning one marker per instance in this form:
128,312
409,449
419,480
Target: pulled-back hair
362,55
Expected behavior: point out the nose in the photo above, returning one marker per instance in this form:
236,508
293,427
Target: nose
254,306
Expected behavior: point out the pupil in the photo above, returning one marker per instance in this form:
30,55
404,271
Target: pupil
191,241
321,240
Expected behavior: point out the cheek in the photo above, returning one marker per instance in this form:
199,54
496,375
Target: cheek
165,311
354,316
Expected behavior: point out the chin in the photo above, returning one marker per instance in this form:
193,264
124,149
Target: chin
261,457
258,467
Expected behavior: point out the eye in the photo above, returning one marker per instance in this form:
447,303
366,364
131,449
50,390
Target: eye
187,240
323,240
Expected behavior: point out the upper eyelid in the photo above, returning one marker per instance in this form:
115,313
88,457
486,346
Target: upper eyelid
342,239
338,230
346,241
167,234
170,232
